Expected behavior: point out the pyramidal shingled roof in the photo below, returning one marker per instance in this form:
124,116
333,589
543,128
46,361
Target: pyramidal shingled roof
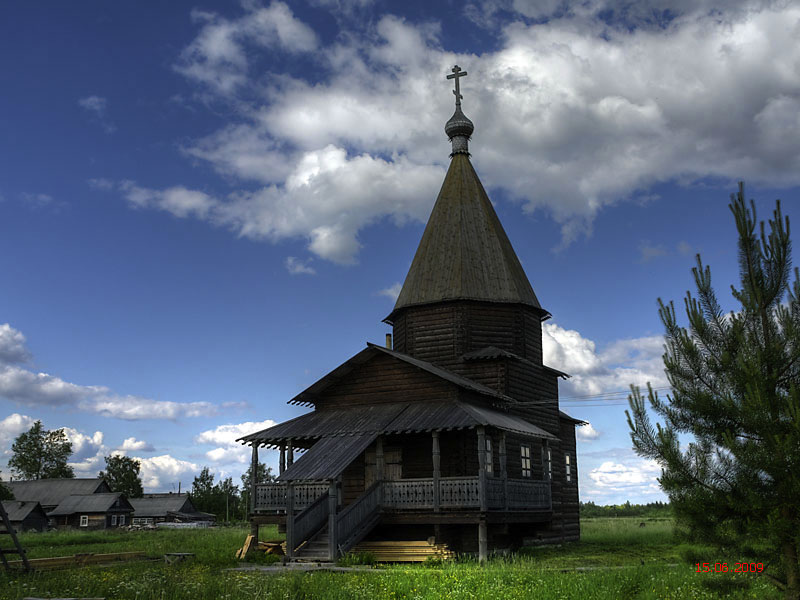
464,252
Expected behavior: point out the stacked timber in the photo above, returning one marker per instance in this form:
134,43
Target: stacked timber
404,551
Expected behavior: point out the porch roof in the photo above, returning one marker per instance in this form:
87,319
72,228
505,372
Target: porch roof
411,417
328,458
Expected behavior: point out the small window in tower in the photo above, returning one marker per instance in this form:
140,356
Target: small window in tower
525,456
569,467
489,457
549,456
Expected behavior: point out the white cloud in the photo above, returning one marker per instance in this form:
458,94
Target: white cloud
10,427
393,291
586,433
616,475
572,114
97,105
684,248
163,472
83,446
100,184
296,266
12,345
228,450
37,200
634,361
131,444
218,55
29,388
648,252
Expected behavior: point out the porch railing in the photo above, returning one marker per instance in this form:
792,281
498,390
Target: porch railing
417,494
311,520
272,496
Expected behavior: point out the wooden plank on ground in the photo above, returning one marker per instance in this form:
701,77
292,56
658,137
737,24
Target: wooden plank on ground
76,560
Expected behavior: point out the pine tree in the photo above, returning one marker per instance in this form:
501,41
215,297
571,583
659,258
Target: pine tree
734,380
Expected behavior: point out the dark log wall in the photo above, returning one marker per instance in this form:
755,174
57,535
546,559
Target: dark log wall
440,333
569,498
385,379
539,389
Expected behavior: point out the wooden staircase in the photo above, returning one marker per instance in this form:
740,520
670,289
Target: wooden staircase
315,549
7,529
404,551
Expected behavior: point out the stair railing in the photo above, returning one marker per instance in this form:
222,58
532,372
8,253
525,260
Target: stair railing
308,522
352,521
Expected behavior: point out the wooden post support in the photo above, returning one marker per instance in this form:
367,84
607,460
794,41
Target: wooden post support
483,541
504,468
437,471
290,454
282,462
333,498
253,488
482,467
289,520
380,466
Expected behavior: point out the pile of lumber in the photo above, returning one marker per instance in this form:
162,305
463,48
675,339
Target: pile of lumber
404,551
277,548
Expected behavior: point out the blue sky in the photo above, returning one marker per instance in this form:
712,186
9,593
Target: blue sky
204,207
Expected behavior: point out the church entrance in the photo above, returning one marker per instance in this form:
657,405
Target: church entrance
393,465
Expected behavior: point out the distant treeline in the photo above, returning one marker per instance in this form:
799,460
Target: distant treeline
651,509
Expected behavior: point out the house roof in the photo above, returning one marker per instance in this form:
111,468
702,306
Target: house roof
464,252
161,504
566,417
307,396
89,503
328,458
407,417
50,492
493,352
19,511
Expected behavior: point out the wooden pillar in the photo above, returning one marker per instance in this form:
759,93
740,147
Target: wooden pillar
253,484
482,467
437,471
282,462
379,466
289,520
333,499
483,541
504,468
290,454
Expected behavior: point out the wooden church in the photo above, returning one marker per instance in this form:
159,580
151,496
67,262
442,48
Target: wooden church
453,431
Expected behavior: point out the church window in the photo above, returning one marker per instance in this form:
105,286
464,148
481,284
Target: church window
525,455
489,457
568,467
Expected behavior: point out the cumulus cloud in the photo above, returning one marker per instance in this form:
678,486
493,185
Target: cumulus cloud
131,444
297,266
29,388
218,56
164,472
586,433
224,437
615,475
11,427
83,446
622,363
97,105
392,292
581,111
12,345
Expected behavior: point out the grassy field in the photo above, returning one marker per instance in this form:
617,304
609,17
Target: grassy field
627,561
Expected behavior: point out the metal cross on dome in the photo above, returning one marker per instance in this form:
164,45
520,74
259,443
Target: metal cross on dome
457,73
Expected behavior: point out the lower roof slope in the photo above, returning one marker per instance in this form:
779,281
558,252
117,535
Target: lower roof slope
50,492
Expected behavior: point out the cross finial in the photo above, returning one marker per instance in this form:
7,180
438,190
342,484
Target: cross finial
457,73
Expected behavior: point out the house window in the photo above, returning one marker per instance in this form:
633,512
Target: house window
84,520
548,459
525,455
568,467
113,520
122,519
489,457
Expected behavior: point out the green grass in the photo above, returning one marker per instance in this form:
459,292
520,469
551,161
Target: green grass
534,573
